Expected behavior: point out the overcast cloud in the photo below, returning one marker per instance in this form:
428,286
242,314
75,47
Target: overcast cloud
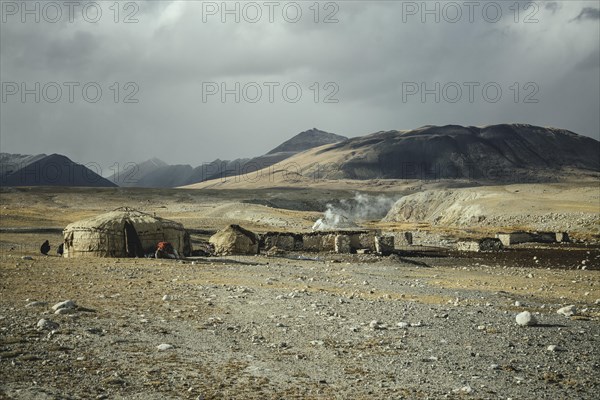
373,61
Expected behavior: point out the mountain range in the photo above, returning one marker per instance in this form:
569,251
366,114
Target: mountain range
495,153
156,173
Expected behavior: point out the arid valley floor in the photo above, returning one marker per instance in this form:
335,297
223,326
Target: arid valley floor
424,323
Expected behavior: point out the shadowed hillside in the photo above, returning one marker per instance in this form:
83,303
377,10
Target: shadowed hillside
44,170
497,152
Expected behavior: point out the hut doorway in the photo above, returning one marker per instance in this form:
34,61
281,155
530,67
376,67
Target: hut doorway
133,245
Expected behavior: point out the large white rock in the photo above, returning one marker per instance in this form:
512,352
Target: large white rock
64,304
47,324
567,311
525,318
64,311
37,304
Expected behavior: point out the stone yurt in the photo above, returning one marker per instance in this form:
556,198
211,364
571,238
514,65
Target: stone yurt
124,232
234,240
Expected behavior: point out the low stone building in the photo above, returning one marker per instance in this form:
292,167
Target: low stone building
344,241
476,245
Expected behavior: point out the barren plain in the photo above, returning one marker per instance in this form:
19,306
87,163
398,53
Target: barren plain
424,323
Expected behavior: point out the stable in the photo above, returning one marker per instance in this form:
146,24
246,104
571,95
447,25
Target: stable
123,232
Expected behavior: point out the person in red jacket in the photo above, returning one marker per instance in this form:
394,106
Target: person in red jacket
165,250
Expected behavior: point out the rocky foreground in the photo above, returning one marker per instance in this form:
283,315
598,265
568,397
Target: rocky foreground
326,328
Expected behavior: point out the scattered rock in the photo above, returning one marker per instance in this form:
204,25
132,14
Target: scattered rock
274,251
377,325
166,297
26,258
64,304
46,324
552,347
525,318
567,311
465,389
164,347
402,325
63,311
517,303
37,304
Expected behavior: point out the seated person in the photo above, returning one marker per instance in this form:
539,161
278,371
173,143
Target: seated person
45,248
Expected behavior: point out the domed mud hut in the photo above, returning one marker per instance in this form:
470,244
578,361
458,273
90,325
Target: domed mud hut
124,232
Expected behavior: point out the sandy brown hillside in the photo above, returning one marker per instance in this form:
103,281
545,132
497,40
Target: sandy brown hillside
542,207
492,154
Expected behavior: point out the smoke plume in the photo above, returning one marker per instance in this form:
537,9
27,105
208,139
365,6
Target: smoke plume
347,213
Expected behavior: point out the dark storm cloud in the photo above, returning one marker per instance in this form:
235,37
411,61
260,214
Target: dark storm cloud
588,13
368,57
552,6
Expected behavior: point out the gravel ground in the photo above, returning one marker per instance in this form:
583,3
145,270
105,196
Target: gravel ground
352,327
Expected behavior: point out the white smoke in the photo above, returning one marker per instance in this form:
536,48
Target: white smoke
362,207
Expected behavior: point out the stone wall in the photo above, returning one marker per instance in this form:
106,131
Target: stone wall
402,239
364,240
384,245
331,241
511,238
485,244
281,240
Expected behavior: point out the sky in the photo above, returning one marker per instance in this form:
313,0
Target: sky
191,81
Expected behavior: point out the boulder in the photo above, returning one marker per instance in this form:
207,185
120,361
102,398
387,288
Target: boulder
525,318
567,311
